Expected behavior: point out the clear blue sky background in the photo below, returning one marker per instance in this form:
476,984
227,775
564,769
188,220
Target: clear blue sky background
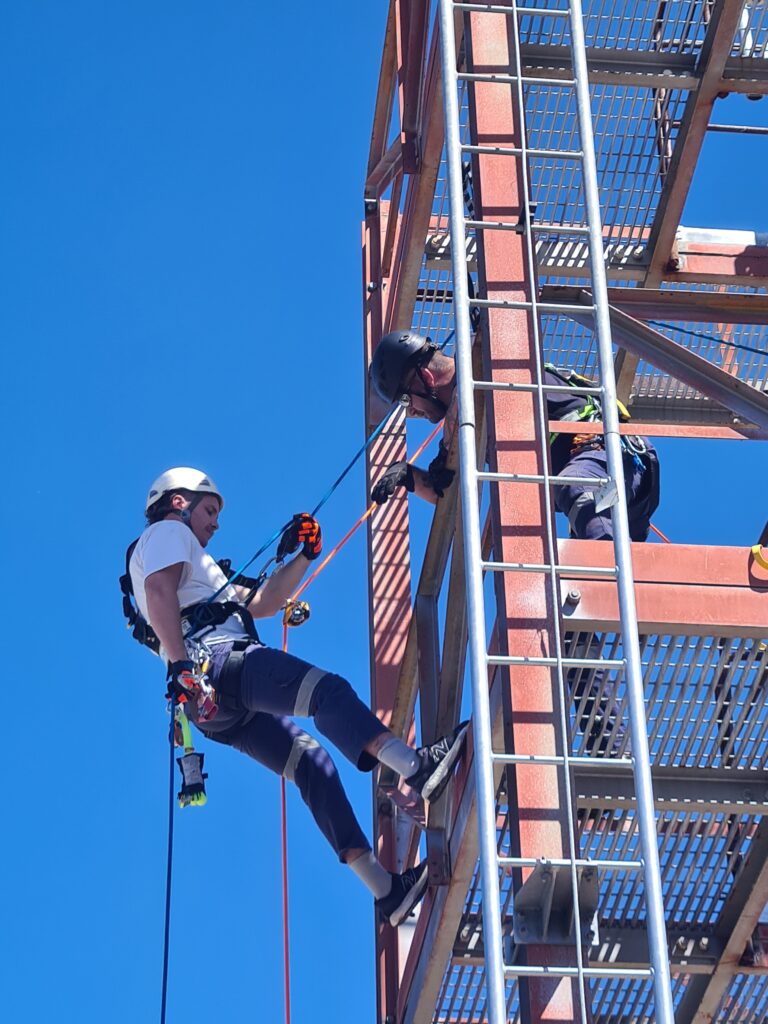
180,284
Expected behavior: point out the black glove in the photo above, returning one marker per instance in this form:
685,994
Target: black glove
440,477
303,529
399,474
180,679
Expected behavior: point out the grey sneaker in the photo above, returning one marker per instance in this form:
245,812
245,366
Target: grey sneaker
437,761
407,890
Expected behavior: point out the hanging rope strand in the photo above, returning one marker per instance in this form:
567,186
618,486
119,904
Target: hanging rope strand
283,811
169,868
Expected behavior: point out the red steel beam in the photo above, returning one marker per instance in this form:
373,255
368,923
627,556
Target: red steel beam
696,307
412,22
745,432
384,95
716,263
676,305
525,608
418,202
698,110
678,588
389,590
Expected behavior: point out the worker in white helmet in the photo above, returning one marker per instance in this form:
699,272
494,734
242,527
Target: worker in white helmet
185,604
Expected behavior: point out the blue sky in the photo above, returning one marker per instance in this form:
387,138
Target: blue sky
180,284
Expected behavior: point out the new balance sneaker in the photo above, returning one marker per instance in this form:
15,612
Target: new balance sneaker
407,889
437,761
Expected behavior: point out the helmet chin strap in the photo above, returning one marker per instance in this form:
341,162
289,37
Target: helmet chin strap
185,514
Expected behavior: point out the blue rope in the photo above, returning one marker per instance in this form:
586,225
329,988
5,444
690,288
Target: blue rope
169,870
365,447
317,507
710,337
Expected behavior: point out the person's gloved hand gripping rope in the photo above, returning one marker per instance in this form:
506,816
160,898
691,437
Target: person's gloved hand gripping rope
431,483
303,530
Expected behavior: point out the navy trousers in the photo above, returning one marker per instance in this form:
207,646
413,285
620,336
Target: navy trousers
577,502
274,686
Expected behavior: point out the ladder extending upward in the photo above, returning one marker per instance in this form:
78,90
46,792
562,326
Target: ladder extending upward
561,657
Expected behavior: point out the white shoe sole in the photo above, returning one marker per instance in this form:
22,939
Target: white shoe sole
445,766
410,900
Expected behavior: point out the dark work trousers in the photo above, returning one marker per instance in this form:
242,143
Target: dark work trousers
577,502
274,685
598,713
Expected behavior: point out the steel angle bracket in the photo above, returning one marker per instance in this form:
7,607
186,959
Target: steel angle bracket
544,910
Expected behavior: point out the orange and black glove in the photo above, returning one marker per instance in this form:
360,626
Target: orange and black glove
180,679
304,529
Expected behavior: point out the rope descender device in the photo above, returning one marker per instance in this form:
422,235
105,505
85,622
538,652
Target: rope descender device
192,792
295,613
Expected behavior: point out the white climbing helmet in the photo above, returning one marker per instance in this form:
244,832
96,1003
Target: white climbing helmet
182,478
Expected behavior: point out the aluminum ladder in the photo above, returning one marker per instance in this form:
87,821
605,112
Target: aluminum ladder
497,971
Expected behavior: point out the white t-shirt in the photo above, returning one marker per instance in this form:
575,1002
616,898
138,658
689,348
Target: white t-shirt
167,543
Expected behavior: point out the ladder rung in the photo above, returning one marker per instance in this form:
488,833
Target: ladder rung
534,478
535,659
569,570
538,12
505,225
502,79
562,862
523,971
566,154
502,385
541,307
558,759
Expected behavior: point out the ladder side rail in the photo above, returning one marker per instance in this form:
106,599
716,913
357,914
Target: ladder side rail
486,796
657,941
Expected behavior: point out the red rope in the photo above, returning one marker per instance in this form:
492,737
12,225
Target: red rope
283,808
660,534
284,831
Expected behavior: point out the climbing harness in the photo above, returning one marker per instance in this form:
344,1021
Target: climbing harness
590,412
197,617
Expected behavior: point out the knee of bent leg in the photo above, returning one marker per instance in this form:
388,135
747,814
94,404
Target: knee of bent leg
307,756
329,690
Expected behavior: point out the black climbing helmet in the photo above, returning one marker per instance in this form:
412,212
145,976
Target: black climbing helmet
395,354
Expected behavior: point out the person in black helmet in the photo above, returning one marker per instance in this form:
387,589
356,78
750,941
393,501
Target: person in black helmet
407,367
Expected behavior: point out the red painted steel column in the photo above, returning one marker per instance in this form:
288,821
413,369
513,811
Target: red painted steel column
389,586
537,813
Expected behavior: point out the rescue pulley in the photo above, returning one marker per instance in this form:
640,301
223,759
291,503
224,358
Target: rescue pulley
295,613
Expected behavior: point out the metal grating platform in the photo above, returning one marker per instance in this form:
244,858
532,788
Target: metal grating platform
707,704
